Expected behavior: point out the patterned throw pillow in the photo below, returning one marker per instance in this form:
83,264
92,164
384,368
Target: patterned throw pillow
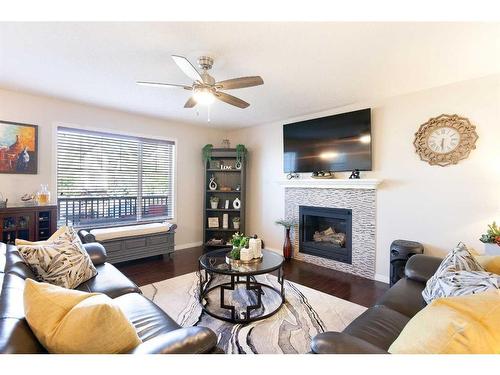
61,261
459,274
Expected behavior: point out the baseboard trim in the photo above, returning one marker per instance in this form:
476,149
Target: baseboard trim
382,278
188,245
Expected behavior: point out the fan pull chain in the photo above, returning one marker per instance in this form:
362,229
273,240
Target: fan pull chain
208,113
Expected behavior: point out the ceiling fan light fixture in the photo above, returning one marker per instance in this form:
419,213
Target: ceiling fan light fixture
203,96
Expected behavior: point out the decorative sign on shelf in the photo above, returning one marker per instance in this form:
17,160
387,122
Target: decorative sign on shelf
445,140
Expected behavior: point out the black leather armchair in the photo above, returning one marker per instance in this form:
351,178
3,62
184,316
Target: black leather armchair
377,328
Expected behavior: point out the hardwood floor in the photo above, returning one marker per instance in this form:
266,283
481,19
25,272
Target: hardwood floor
343,285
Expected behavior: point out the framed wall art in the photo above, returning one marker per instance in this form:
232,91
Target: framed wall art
18,148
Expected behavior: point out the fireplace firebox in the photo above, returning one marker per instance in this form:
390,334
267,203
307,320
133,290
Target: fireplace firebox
326,232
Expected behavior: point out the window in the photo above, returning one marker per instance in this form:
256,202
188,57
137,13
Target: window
109,178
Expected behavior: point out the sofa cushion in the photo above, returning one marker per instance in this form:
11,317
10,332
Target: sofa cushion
378,325
444,283
106,234
404,297
61,261
454,325
109,281
148,319
491,263
70,321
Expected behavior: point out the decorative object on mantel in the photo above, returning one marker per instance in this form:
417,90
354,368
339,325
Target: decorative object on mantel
212,185
354,175
238,187
287,246
291,176
491,239
225,143
225,221
226,204
206,153
225,188
19,151
445,140
214,202
236,222
323,174
237,204
226,167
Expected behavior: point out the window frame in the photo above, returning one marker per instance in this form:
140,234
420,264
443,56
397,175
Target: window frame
118,132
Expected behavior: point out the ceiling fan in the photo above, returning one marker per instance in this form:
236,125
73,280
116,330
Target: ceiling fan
204,87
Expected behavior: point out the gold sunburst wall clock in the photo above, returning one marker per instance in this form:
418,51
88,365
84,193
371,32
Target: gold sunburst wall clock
445,140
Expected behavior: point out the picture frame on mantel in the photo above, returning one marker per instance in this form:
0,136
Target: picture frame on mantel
18,148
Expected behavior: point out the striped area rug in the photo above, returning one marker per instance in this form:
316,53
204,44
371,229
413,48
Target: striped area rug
305,313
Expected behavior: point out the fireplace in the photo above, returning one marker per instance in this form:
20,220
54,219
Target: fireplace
326,232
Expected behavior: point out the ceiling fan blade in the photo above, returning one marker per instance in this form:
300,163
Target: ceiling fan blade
187,68
146,83
238,83
233,100
190,103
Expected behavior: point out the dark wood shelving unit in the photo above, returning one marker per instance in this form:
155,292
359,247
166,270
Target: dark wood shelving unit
228,178
31,223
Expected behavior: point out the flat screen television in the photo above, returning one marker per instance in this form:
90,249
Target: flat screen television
335,143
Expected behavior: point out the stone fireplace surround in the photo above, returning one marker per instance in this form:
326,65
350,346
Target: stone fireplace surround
357,195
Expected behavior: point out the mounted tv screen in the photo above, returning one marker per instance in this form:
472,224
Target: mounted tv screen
334,143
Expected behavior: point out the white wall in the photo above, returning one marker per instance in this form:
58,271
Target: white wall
434,205
48,112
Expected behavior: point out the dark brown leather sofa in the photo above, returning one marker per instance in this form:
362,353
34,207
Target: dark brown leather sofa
377,328
159,333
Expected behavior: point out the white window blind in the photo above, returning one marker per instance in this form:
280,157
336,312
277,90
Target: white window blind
109,178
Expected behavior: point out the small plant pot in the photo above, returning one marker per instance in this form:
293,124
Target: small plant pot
236,224
214,205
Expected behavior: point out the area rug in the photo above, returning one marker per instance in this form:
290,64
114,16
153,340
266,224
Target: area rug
305,313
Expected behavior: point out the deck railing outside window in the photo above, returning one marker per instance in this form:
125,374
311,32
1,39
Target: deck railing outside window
111,178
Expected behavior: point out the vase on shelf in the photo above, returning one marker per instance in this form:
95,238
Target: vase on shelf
287,246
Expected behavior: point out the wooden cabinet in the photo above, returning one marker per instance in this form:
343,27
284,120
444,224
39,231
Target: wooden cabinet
32,223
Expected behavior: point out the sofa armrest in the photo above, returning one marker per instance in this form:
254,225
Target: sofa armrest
191,340
86,236
421,267
342,343
96,251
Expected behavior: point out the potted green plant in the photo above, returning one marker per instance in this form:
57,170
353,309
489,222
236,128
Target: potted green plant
287,246
491,239
239,241
241,153
206,153
214,202
236,222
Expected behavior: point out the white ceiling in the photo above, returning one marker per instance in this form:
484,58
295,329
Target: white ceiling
306,67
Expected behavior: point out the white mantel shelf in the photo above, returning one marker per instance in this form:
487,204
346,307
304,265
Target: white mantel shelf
333,183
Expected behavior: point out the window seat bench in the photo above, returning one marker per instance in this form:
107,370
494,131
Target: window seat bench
130,242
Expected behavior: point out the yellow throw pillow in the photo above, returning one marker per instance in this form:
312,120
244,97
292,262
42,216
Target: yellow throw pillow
490,263
51,239
72,322
454,325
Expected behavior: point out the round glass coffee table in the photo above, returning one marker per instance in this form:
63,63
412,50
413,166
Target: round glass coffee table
240,297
